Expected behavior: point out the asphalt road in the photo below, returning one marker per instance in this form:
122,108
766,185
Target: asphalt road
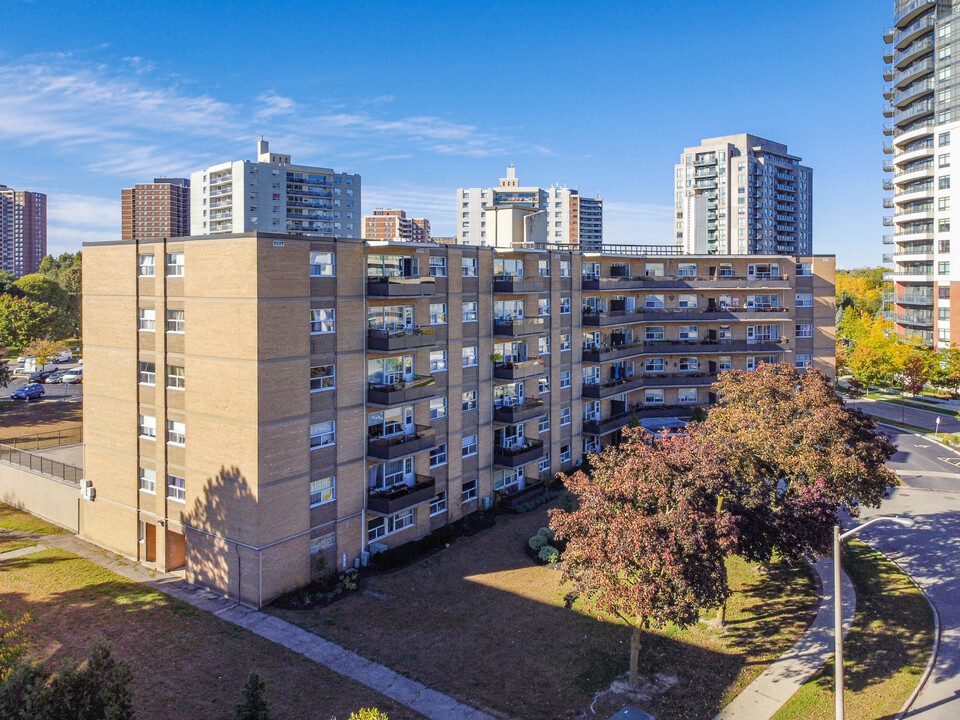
56,392
926,419
929,552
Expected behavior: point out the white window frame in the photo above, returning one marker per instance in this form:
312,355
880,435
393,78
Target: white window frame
147,427
468,491
323,382
178,381
176,491
148,373
438,361
146,323
323,321
176,433
437,266
564,379
469,311
323,490
322,263
175,263
147,483
176,321
566,417
438,313
804,300
438,456
468,401
323,434
440,411
438,505
146,268
468,446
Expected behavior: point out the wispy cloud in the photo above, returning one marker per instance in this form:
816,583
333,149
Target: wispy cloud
75,219
273,104
435,203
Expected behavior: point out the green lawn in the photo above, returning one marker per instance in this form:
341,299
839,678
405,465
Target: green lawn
8,544
885,652
481,622
186,663
13,519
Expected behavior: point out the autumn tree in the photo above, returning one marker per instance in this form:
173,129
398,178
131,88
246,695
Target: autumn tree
915,363
791,455
43,350
945,369
367,714
645,542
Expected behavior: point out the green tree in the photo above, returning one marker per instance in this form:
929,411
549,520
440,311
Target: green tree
7,287
254,703
645,542
945,369
23,320
13,643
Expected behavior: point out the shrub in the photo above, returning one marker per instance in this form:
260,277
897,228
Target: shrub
537,542
547,534
549,554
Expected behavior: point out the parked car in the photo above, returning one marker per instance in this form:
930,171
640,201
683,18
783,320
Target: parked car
28,392
39,377
63,356
55,377
72,376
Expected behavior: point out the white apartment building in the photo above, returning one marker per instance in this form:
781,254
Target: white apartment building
924,116
274,195
564,217
743,195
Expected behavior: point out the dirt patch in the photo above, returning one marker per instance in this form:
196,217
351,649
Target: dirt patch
39,417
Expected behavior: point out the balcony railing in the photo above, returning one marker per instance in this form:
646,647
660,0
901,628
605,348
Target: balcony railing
518,413
400,286
908,298
519,284
517,370
408,338
400,497
417,388
519,454
394,446
511,327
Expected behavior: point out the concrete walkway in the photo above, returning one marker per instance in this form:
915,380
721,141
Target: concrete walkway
415,695
762,698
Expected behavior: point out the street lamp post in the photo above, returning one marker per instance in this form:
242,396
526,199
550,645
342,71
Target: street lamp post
838,539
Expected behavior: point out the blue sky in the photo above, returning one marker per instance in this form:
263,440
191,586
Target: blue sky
421,98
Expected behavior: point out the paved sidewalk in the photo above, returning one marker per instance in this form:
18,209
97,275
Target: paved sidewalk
415,695
762,698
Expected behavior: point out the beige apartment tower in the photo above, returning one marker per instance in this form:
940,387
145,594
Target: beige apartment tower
240,421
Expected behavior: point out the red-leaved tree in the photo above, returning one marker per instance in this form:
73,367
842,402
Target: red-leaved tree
645,541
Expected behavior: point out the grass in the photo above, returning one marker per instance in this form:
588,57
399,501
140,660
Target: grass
39,417
6,545
480,622
886,651
13,519
186,663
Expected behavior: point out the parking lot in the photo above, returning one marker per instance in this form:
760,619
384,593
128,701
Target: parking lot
57,392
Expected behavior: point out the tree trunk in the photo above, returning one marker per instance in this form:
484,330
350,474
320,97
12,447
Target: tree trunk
722,615
635,654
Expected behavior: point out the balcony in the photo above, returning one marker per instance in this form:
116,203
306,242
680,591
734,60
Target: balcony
409,338
400,497
400,286
888,130
909,298
605,352
518,455
532,488
404,391
904,57
518,413
612,387
514,284
913,91
514,327
394,446
518,370
924,107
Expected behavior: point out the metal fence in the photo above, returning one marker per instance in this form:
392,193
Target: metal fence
53,438
41,464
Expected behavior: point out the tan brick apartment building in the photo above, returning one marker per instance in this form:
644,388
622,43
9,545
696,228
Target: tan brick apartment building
241,417
159,209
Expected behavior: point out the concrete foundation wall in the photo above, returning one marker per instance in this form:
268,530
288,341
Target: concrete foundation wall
46,497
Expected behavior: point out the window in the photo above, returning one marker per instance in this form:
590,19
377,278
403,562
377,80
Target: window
689,332
469,354
564,379
543,384
805,330
438,504
564,416
176,379
148,427
176,433
379,527
469,401
469,266
469,444
323,434
687,396
175,321
564,342
943,293
944,203
686,302
564,268
653,270
321,264
175,264
943,313
945,160
564,306
653,365
438,360
724,363
804,300
944,182
148,480
943,225
148,319
176,488
754,361
590,270
564,454
146,266
944,334
686,270
803,361
470,312
653,396
653,333
804,269
148,373
543,306
944,138
438,313
544,424
438,408
323,490
688,364
323,377
943,268
544,465
653,302
323,321
438,266
438,456
469,491
543,268
543,346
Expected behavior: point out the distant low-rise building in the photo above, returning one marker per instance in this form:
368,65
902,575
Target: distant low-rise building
395,225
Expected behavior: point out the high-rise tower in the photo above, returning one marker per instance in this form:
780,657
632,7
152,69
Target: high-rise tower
156,210
23,230
923,112
743,195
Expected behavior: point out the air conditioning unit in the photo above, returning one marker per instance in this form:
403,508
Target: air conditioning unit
89,493
487,503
